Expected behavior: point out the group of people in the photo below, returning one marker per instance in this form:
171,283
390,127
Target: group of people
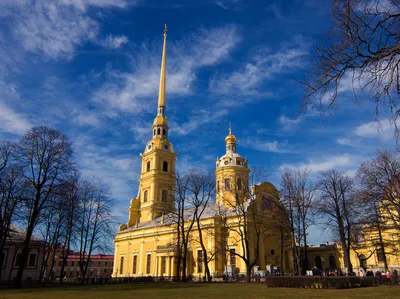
391,277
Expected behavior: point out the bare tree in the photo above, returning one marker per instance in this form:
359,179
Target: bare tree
95,221
70,195
298,197
335,206
46,156
12,191
247,217
380,186
202,188
362,48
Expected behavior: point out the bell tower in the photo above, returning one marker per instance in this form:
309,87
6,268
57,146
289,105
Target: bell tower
232,175
157,178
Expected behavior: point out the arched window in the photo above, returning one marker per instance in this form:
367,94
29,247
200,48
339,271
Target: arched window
217,186
146,194
165,166
154,132
164,196
158,131
148,165
163,131
239,184
227,185
332,262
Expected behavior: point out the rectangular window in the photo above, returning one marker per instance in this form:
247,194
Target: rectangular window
239,184
59,263
106,264
18,260
105,270
199,261
134,264
163,265
232,259
148,264
72,263
227,184
32,260
2,259
121,267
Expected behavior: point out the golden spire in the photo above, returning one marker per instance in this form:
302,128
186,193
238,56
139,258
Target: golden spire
161,93
230,138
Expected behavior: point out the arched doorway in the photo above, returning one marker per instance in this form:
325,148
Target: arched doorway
318,262
332,262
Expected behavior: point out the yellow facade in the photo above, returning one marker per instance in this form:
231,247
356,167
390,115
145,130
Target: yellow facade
146,244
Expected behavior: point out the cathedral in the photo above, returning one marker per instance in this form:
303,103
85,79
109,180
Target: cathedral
230,226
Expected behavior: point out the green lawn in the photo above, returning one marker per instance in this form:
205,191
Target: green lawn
193,291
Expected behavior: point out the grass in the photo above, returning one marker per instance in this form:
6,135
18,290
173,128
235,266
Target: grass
194,291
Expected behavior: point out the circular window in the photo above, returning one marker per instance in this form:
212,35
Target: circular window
149,147
226,162
272,252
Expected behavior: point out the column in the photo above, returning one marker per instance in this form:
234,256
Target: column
168,266
173,266
141,258
159,268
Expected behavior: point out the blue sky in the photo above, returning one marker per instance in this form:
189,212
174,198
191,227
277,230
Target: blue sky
90,68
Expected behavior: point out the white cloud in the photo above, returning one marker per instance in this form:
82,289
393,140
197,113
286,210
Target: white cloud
56,28
131,91
201,117
287,122
341,162
376,129
228,4
11,121
265,146
344,141
263,65
114,42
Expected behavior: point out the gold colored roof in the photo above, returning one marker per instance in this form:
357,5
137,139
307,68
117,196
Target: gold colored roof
161,93
230,139
160,120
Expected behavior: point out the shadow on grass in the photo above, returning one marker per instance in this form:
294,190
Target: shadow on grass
116,287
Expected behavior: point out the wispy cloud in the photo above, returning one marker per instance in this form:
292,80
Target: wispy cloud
344,162
265,146
55,29
263,65
129,91
383,129
200,118
288,123
114,41
11,121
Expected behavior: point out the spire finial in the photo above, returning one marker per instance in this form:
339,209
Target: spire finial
230,128
161,93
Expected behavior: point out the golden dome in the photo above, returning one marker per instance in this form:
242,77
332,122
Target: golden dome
230,139
160,120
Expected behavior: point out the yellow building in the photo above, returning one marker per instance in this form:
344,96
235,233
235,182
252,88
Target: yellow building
146,244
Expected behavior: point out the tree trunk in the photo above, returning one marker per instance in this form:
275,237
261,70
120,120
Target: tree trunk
25,252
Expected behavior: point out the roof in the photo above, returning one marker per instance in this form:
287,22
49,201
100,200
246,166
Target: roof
92,257
18,234
210,211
